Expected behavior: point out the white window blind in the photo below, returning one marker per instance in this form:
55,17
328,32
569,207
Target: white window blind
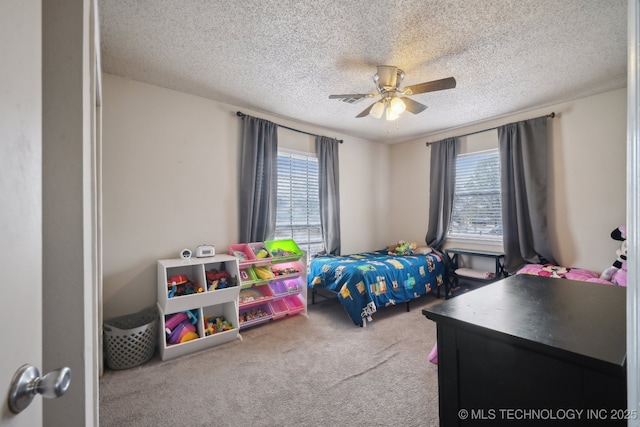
298,210
477,211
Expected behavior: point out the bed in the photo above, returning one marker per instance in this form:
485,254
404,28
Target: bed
368,281
571,273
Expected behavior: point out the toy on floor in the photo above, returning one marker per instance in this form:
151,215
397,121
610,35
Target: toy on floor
617,273
433,354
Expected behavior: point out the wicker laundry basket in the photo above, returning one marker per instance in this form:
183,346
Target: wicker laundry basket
131,340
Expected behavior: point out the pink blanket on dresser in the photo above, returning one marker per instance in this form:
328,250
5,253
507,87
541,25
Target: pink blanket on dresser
550,270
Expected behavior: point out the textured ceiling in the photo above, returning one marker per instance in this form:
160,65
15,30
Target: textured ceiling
285,57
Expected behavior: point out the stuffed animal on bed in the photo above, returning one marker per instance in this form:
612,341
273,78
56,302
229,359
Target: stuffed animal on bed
402,248
617,273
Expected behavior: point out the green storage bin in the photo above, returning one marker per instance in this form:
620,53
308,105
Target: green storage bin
283,250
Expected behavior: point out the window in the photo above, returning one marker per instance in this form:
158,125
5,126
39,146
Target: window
477,211
298,210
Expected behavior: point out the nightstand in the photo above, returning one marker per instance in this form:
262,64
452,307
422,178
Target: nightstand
457,271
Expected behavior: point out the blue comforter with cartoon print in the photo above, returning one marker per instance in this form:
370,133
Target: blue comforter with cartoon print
371,280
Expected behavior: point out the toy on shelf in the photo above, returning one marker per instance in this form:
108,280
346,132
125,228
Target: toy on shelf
263,272
281,253
293,286
180,327
216,324
261,252
240,255
253,314
247,274
284,271
219,280
180,285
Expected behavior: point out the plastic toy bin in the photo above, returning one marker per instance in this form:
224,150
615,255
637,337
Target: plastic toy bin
283,250
293,286
294,303
279,308
242,252
130,340
255,295
279,288
255,315
259,250
247,276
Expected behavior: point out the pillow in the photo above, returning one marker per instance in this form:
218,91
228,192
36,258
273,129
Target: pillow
422,250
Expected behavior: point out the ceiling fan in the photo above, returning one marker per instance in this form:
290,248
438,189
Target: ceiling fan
393,99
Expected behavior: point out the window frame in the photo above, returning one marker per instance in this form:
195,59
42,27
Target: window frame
484,239
306,245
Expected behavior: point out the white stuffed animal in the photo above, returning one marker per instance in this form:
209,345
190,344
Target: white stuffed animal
617,273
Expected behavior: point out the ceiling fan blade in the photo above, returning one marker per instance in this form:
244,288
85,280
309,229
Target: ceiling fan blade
351,98
365,113
442,84
413,106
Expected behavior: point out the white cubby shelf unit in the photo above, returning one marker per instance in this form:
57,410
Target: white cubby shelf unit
203,303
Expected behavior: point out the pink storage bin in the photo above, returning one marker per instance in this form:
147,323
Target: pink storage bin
294,304
255,295
242,252
279,308
259,250
287,269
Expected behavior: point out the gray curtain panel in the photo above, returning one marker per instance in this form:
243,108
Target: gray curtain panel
442,176
258,179
523,182
329,189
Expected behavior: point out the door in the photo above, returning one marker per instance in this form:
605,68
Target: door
21,199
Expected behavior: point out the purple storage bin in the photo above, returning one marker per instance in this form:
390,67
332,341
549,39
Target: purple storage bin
255,315
279,288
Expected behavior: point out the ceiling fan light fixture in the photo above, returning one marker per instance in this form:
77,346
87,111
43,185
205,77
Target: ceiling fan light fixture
394,99
397,106
391,115
377,110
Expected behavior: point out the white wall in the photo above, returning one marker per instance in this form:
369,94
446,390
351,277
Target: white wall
170,181
587,178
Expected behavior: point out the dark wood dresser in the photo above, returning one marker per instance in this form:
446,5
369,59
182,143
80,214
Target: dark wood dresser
529,350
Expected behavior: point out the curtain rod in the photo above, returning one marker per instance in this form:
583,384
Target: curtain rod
242,115
550,116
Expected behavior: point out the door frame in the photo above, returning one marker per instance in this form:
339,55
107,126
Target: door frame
71,207
633,210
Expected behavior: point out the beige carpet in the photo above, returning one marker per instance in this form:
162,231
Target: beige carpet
316,371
